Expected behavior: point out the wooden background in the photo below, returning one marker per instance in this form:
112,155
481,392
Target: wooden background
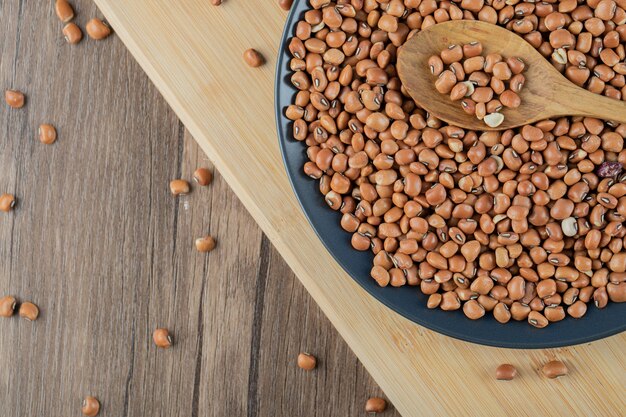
105,251
192,52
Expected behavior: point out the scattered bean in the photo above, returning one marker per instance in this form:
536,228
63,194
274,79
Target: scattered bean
64,10
91,406
97,29
253,58
554,369
375,405
7,306
28,311
506,372
7,202
284,4
202,176
205,244
307,361
72,33
14,98
47,134
179,187
162,338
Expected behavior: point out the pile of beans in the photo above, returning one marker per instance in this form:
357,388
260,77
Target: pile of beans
526,223
484,84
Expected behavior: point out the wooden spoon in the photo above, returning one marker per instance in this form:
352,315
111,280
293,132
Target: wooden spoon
547,94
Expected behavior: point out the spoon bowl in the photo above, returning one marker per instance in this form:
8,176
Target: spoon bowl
546,93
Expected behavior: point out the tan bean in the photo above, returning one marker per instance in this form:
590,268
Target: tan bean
473,310
502,313
454,53
482,94
90,406
554,314
162,338
205,244
482,285
459,91
7,306
179,187
506,372
577,309
617,292
14,98
306,361
253,58
64,10
434,300
510,99
537,320
202,176
445,82
97,29
7,202
516,287
502,71
519,311
600,297
554,369
380,275
72,33
285,4
450,301
435,64
472,49
28,311
375,405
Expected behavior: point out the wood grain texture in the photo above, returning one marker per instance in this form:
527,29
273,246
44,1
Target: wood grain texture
101,246
546,94
192,52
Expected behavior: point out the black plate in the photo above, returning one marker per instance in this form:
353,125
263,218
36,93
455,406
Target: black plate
409,301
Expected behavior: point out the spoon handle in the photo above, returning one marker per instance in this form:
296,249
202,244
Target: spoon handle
580,102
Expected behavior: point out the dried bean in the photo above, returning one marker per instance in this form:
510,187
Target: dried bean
253,58
7,202
162,338
307,361
90,407
554,369
375,405
506,372
72,33
64,10
97,29
7,306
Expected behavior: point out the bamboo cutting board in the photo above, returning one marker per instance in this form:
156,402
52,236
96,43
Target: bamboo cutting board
192,52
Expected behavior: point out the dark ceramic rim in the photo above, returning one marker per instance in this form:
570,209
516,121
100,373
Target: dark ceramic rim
409,301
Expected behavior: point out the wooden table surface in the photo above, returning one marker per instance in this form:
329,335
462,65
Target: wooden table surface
100,245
